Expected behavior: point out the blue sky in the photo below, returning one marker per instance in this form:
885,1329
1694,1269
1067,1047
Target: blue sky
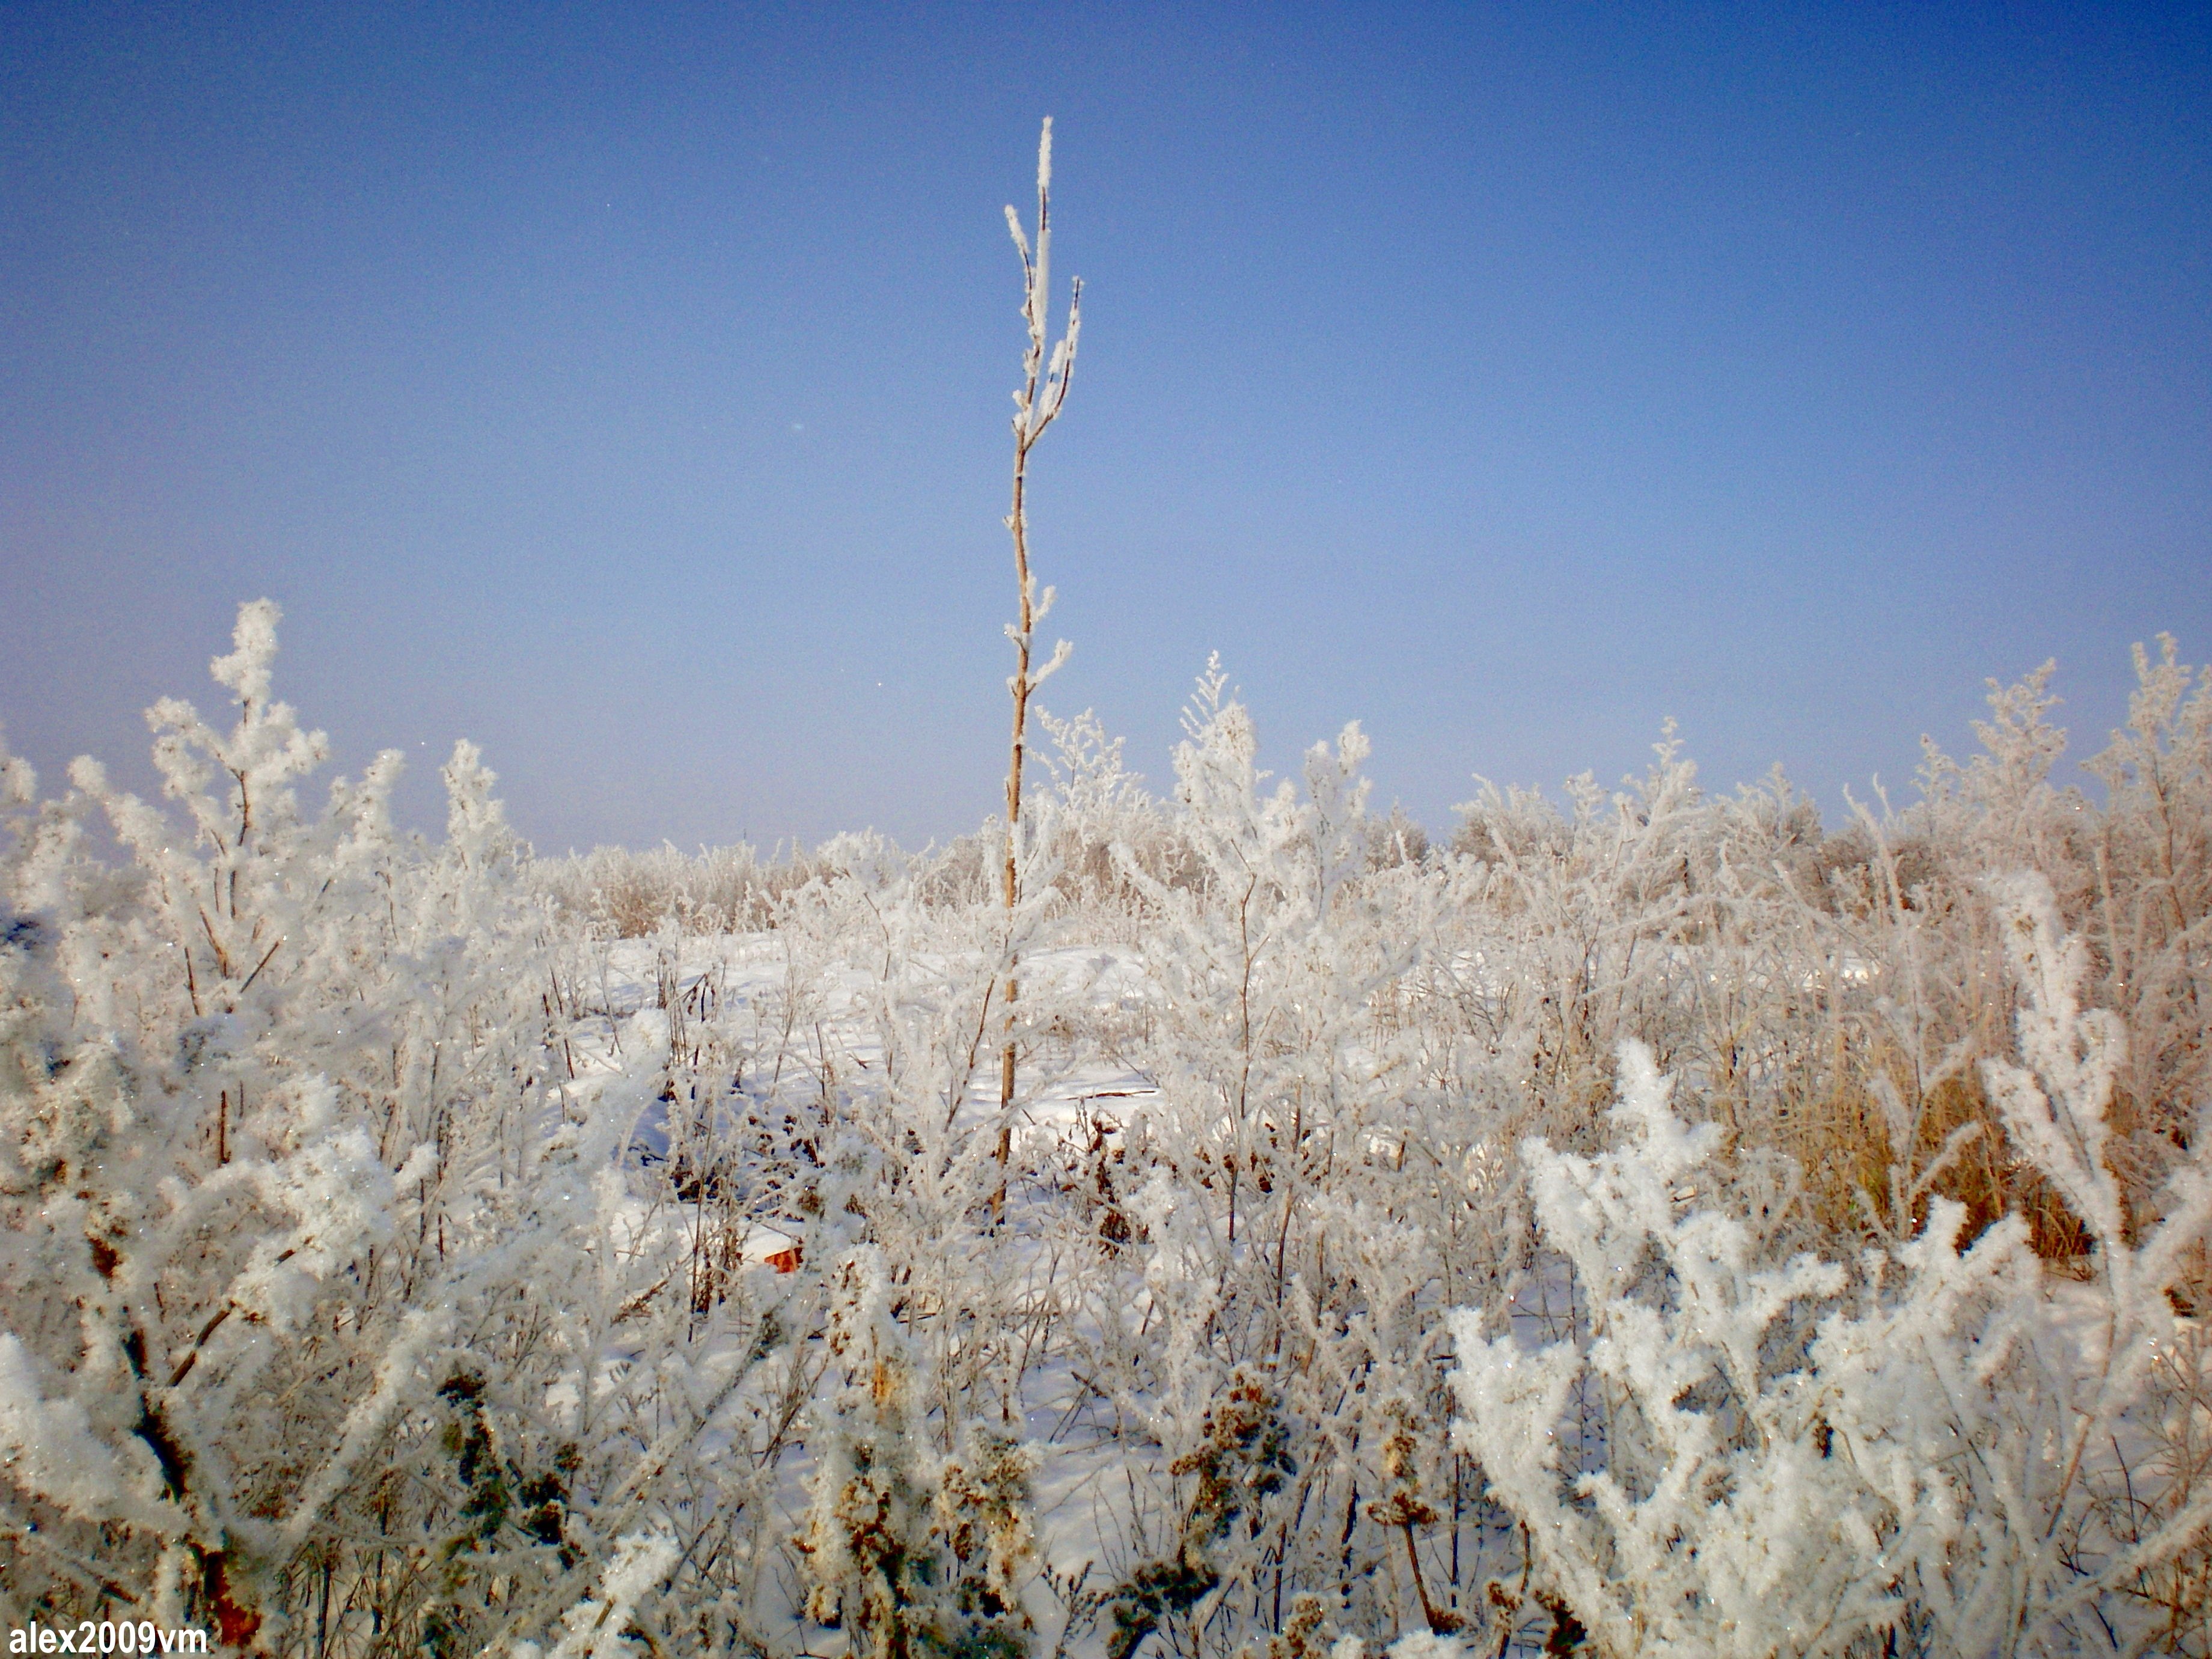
626,388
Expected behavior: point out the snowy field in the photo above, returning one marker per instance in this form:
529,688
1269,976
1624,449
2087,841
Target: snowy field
1654,1223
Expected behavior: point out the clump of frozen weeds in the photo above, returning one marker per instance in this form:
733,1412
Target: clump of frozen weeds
1931,1445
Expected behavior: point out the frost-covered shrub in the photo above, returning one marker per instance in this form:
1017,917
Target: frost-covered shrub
909,1552
1753,1456
2132,879
225,1116
307,1237
2149,934
1292,1205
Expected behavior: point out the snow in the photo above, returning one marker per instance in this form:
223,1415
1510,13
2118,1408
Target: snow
1425,1255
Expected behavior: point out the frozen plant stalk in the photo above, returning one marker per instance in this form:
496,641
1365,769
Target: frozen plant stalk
1038,404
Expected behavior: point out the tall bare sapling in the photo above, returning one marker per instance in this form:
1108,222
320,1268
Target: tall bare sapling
1037,403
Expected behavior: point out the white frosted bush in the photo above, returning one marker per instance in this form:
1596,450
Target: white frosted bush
301,1218
1746,1456
909,1552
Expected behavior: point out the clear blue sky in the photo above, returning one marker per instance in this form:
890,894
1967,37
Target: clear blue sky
626,386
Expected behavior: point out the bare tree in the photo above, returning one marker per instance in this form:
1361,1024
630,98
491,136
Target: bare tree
1037,403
